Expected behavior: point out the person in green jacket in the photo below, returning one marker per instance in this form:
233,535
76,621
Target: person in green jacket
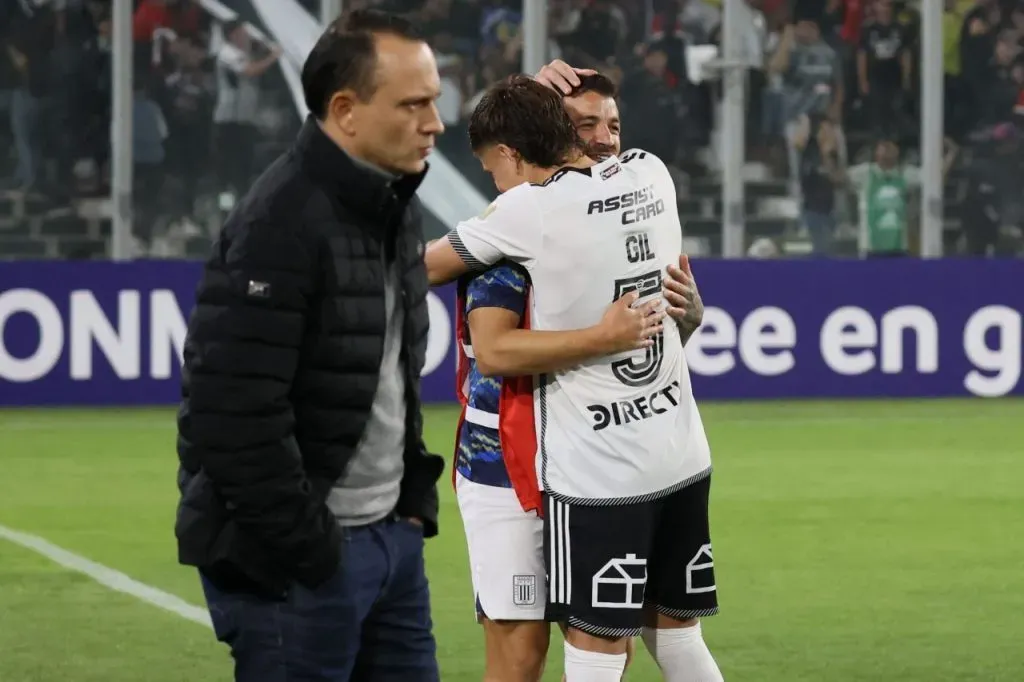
883,189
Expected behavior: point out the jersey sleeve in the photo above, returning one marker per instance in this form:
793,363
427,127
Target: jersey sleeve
511,227
503,286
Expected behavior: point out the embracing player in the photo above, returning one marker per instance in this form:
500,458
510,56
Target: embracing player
590,99
505,541
620,441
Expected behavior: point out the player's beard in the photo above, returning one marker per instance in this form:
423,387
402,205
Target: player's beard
599,151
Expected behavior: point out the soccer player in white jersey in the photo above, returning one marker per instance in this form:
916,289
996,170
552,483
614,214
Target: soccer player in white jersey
624,461
504,540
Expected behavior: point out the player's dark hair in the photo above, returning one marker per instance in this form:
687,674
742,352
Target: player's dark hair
345,56
597,82
528,117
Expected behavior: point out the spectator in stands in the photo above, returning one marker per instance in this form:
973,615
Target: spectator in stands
184,17
190,94
149,131
96,84
953,15
883,189
812,74
652,105
63,124
28,39
235,116
884,70
668,33
8,81
981,210
820,173
599,34
977,45
675,26
993,196
751,34
1000,88
812,77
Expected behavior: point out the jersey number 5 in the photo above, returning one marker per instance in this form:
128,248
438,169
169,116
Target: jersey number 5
640,370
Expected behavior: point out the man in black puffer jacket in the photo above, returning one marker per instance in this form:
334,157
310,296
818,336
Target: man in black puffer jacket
306,488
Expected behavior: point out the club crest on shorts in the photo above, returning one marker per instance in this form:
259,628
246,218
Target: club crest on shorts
524,590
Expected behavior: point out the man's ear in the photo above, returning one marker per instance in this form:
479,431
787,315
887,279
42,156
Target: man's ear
508,153
341,110
512,155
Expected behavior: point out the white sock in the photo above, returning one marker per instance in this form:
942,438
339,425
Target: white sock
682,654
590,666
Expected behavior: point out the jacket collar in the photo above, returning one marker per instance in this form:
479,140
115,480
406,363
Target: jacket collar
368,191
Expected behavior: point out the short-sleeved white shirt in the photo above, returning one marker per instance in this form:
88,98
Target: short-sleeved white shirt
618,429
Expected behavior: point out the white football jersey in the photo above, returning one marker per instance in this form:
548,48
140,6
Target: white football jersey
623,428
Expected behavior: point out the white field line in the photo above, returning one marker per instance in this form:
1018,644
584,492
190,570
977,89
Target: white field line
108,577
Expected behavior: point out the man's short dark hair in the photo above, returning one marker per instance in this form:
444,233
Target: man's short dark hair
528,117
345,56
597,82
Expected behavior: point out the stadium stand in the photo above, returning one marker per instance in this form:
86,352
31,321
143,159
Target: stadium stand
55,92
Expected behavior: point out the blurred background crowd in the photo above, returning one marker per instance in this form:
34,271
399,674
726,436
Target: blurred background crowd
832,126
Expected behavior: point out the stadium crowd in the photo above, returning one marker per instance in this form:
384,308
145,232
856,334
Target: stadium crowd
833,108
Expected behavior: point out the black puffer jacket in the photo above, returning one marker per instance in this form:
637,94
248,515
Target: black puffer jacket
281,367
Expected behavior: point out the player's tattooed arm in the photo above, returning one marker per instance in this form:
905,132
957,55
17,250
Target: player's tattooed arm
502,349
685,304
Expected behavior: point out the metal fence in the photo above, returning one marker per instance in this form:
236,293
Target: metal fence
795,128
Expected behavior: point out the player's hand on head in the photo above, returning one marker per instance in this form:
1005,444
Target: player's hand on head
561,77
627,326
680,290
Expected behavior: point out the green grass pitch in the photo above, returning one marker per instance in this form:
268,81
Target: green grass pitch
854,541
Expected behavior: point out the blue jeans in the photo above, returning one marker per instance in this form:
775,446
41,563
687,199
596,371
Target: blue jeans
370,622
25,112
822,227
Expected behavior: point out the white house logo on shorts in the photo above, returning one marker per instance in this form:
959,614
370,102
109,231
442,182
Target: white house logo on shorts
620,584
524,590
700,576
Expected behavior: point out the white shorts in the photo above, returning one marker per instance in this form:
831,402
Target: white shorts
506,552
